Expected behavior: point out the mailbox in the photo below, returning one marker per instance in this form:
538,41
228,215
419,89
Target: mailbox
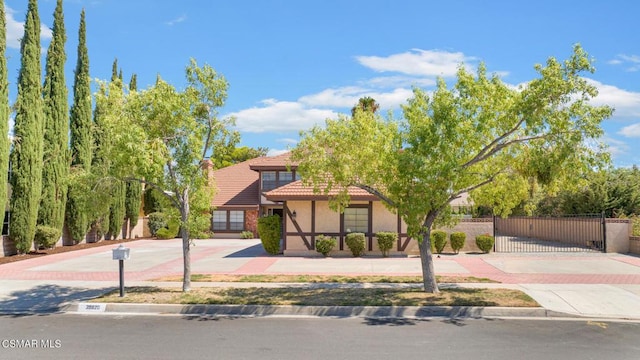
121,253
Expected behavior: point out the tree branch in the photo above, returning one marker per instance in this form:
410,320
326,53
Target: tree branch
377,193
157,187
471,188
482,154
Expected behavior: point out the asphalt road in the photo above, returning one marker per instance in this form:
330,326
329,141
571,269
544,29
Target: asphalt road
65,336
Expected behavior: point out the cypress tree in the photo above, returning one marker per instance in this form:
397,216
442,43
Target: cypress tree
117,210
134,189
56,138
100,164
26,157
4,113
81,140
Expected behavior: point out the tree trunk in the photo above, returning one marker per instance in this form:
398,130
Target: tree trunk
426,260
186,243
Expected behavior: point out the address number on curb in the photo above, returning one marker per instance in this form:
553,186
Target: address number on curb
91,307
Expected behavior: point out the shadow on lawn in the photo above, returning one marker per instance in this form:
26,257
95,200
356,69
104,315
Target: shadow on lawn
45,299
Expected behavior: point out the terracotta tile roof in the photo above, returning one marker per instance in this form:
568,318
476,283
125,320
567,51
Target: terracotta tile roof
297,191
279,162
237,186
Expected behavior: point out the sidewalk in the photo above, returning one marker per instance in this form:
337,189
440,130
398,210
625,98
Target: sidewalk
584,284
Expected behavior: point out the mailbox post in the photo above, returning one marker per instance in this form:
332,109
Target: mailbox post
121,254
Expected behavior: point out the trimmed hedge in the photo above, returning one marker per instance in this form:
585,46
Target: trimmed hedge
386,240
485,242
457,241
157,221
169,232
46,237
269,233
438,240
355,242
325,244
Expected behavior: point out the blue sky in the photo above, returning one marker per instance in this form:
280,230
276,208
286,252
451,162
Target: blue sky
293,63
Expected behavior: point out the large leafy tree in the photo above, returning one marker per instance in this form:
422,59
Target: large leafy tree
164,137
459,140
238,155
56,138
26,157
4,112
76,218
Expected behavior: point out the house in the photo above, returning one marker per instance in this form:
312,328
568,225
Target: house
270,185
239,201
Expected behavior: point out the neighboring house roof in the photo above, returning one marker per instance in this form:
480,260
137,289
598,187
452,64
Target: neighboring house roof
297,191
237,186
279,162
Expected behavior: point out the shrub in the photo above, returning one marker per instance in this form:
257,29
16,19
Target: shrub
269,233
438,240
246,235
157,221
355,243
46,237
457,241
324,244
386,241
169,232
485,242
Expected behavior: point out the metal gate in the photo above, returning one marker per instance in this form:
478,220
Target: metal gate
584,233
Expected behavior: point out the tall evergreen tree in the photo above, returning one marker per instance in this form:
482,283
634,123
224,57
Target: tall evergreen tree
56,138
81,140
133,199
4,112
26,157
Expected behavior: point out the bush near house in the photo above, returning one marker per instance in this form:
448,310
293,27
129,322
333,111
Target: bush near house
46,237
157,221
386,241
325,244
485,242
457,241
169,232
269,233
246,235
355,243
438,240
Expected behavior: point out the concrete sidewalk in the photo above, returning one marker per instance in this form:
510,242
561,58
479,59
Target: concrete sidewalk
584,284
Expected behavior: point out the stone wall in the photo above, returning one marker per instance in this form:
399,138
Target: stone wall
251,221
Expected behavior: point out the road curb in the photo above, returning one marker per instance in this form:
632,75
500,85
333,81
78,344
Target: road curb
312,311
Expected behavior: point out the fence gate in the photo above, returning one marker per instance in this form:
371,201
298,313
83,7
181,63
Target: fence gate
584,233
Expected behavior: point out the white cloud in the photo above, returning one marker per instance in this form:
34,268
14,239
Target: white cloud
280,116
631,131
347,97
616,147
632,62
626,103
417,62
276,152
15,29
399,81
287,141
177,20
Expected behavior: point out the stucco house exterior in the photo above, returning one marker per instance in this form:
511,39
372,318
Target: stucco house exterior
271,185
